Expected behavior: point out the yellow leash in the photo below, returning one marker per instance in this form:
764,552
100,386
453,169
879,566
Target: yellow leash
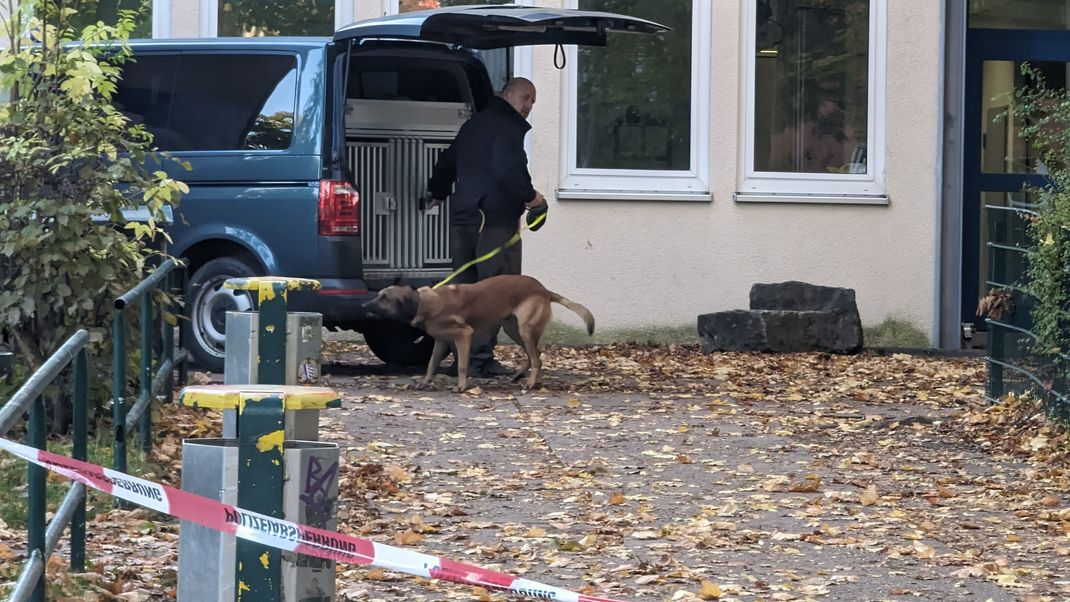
512,241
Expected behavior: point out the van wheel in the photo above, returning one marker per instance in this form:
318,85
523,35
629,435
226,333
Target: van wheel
209,303
397,343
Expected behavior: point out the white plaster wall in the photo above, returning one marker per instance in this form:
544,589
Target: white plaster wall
366,9
185,18
643,263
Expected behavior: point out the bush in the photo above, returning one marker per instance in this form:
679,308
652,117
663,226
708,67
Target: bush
1045,115
67,156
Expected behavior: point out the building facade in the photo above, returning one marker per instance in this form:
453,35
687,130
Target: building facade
841,142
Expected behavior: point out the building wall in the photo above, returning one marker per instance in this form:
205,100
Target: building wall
655,262
641,263
185,19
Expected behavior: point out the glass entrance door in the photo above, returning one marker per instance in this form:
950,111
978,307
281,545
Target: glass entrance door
999,167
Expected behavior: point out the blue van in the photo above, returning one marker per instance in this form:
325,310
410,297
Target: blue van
309,155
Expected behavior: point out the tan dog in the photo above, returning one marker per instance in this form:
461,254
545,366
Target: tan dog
457,312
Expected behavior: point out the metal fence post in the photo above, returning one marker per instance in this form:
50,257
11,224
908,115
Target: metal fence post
80,452
145,424
119,386
183,285
997,273
997,352
36,484
169,338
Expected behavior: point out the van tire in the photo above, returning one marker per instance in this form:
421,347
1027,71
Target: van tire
208,304
397,343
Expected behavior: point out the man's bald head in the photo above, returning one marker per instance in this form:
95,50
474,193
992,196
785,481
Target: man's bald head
519,92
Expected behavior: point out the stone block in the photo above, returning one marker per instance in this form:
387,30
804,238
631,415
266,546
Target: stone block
787,317
735,330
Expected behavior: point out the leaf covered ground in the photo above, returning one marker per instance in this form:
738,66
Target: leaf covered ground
660,473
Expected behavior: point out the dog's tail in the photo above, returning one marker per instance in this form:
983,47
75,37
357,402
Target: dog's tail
578,309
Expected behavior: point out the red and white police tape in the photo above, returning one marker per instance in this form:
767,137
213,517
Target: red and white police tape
283,534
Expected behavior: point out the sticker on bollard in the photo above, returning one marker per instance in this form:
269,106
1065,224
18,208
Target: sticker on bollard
283,534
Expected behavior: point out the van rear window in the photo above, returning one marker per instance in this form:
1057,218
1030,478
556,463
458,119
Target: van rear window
400,83
193,102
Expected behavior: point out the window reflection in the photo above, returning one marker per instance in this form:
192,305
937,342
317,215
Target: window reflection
1020,14
811,112
634,96
251,18
1002,149
107,11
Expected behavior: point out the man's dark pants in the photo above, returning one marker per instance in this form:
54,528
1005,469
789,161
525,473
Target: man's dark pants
463,242
468,243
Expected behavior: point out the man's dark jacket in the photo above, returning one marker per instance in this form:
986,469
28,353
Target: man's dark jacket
488,163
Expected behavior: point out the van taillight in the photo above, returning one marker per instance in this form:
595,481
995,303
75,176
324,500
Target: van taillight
339,209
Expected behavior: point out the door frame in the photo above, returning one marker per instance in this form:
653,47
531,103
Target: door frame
992,45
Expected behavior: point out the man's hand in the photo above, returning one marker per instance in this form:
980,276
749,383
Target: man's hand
537,201
429,202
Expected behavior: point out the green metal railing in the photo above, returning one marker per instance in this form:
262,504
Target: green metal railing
139,415
44,537
1013,365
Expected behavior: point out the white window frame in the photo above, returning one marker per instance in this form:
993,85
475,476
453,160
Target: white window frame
161,19
866,188
343,15
634,184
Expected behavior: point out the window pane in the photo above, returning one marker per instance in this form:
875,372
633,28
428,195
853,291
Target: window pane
249,18
1002,149
634,96
93,11
811,85
212,102
406,6
273,127
499,61
146,92
1020,14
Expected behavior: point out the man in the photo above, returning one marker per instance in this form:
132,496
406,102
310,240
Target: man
487,168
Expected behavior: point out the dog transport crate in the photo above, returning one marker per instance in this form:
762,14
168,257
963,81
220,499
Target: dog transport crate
392,147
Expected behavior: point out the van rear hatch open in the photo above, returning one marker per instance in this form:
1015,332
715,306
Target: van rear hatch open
486,27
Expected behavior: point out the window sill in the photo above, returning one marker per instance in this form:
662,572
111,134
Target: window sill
577,194
814,199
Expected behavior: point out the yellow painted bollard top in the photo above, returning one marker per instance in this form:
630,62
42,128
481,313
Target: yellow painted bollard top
266,285
234,397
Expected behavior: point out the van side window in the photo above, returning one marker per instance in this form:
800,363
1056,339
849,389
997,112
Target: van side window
145,94
197,102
